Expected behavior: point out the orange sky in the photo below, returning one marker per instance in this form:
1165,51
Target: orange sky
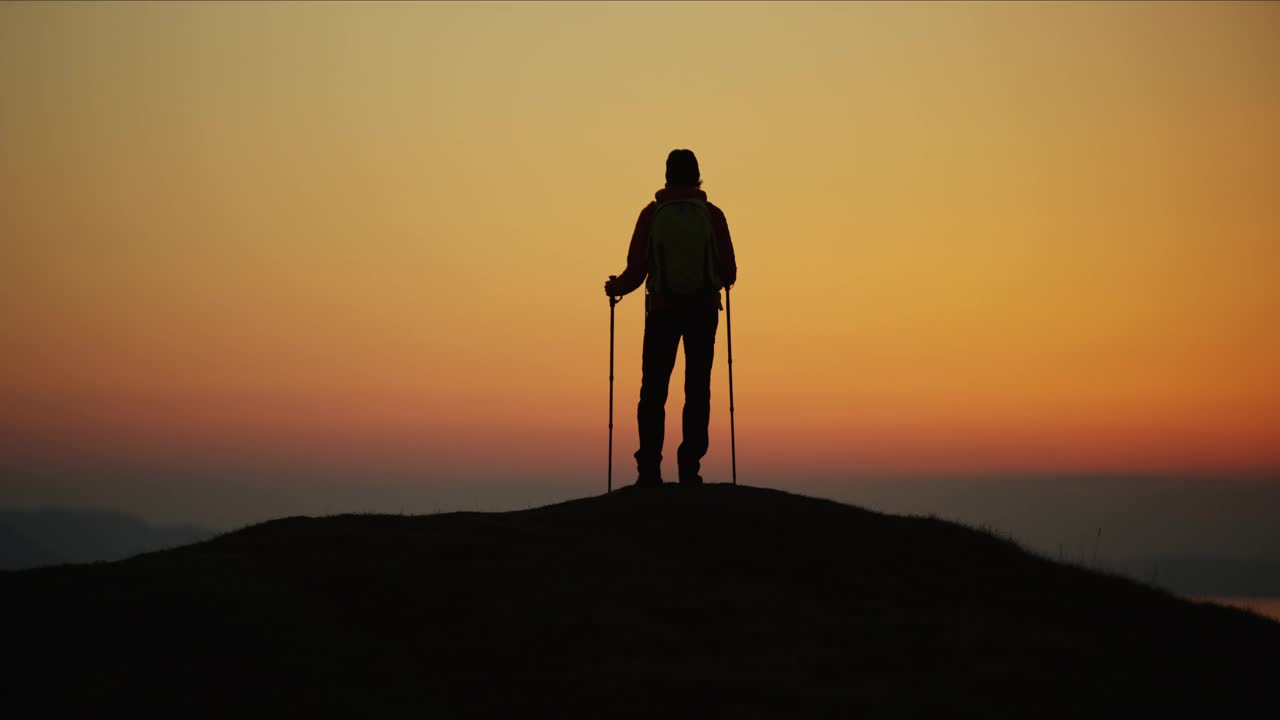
971,237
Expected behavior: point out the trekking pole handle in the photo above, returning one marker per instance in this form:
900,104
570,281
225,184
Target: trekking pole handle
614,300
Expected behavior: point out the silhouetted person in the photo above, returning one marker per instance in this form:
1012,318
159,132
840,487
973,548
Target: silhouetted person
681,243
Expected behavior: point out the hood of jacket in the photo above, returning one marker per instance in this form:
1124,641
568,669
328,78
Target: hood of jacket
680,193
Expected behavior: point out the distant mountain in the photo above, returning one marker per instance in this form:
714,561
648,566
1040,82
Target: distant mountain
19,553
1191,574
712,601
79,536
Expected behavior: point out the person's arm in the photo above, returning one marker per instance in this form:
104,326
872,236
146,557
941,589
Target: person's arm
637,255
728,268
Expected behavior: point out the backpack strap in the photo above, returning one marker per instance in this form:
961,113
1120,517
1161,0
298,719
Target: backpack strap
655,263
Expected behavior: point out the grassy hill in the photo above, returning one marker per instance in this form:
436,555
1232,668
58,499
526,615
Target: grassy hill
717,601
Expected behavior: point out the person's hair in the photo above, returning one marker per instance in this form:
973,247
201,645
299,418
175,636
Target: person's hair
682,169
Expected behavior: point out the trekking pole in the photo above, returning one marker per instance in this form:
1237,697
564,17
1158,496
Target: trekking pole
612,302
728,328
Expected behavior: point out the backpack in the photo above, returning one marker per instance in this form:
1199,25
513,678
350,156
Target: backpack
682,249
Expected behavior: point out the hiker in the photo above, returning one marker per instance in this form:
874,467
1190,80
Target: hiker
681,244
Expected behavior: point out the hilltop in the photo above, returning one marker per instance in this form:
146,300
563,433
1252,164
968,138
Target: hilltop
713,601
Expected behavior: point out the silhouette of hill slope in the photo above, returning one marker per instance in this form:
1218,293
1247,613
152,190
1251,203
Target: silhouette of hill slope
716,600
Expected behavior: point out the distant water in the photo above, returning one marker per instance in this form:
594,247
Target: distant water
1269,606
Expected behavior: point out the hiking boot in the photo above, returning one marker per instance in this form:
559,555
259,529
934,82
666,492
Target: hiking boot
691,479
646,479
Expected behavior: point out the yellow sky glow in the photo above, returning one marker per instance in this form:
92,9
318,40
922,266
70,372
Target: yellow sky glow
971,236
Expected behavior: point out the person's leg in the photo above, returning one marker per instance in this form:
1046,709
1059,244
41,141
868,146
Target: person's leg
699,346
661,336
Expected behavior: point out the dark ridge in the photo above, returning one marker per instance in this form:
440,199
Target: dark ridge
714,601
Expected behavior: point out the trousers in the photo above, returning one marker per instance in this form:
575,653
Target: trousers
664,328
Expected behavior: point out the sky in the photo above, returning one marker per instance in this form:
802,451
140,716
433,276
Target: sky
261,259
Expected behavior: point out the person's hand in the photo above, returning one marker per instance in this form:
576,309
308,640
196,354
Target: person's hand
611,287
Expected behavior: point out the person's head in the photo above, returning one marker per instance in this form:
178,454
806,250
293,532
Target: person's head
682,169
